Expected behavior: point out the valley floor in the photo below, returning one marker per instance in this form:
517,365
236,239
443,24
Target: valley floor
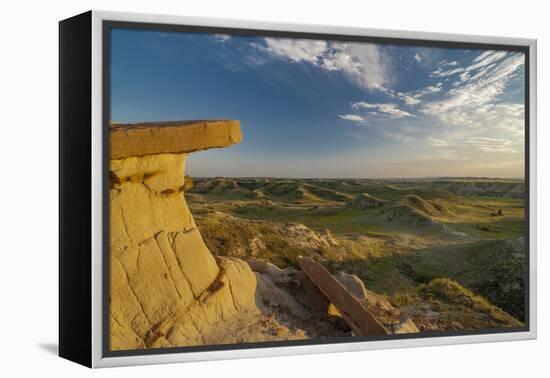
447,253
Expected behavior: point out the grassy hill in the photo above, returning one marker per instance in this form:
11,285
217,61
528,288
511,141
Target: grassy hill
443,304
449,247
492,268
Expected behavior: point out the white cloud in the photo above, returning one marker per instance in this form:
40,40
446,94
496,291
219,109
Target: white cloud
482,60
483,56
504,119
440,72
462,145
413,97
473,120
473,99
445,63
410,100
487,144
352,117
390,110
360,62
367,111
221,37
417,57
297,50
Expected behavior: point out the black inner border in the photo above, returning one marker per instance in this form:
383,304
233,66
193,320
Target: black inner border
108,25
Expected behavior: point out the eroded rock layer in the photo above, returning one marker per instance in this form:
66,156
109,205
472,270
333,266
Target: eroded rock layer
168,289
140,139
166,286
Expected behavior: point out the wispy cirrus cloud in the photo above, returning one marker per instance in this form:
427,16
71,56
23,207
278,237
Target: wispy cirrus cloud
352,117
447,63
465,117
473,100
413,97
380,119
367,111
484,59
488,144
466,95
295,50
386,109
376,110
470,146
361,63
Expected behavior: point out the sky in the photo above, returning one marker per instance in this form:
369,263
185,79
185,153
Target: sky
318,108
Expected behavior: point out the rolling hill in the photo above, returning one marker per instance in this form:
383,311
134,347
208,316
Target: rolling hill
448,252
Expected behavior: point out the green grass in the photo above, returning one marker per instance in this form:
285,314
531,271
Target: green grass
493,268
226,236
339,220
440,251
456,307
261,212
471,216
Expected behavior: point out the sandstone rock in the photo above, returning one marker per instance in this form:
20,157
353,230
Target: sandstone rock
378,305
146,198
230,295
167,288
357,288
406,326
242,283
159,264
290,298
272,271
172,137
273,296
360,320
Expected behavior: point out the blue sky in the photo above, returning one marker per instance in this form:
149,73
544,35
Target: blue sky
313,108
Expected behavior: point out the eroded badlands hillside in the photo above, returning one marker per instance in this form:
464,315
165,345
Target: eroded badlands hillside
283,259
167,288
449,253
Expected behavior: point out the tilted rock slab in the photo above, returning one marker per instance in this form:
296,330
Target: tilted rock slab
354,312
166,288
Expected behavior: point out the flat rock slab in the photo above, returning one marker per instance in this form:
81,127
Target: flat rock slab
358,317
140,139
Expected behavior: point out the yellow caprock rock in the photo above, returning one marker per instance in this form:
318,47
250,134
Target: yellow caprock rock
166,288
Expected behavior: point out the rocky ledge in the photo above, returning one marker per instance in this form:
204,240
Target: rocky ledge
174,137
168,289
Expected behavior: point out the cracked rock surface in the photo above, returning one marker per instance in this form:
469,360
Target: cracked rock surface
166,287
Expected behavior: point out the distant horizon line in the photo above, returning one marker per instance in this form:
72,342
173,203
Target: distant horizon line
371,178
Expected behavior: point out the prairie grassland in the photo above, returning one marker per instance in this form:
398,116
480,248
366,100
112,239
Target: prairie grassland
398,236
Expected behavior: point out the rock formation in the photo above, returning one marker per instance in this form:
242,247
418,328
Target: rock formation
354,312
166,287
377,305
172,137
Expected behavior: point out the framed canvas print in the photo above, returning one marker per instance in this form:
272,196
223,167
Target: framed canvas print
234,189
